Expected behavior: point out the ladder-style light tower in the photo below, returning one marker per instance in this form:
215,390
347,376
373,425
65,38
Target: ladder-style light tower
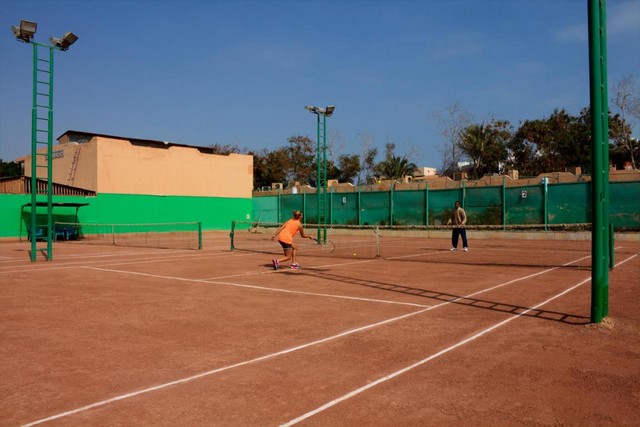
321,184
42,121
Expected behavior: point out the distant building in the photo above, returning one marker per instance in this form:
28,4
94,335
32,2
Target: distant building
425,171
124,165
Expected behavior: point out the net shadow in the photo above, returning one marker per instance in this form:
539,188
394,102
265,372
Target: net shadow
477,303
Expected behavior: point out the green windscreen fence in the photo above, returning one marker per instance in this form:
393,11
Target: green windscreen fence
563,203
551,246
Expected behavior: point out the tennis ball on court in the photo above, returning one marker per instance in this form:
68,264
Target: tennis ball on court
354,254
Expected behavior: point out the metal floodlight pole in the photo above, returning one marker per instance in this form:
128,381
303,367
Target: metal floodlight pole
600,161
321,165
42,99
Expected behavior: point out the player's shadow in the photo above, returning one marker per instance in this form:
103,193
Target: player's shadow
572,319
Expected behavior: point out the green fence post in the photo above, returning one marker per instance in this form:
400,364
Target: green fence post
390,203
545,199
304,204
330,206
426,203
504,203
464,194
358,207
279,206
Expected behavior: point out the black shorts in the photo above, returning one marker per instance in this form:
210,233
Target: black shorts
285,245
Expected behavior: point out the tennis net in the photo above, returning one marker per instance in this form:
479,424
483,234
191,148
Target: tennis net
565,245
170,235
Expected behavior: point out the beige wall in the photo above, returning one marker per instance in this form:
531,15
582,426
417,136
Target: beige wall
110,165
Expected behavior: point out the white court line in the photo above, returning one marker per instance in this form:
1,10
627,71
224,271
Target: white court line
269,356
161,258
425,360
262,288
436,355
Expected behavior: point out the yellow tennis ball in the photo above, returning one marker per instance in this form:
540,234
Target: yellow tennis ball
354,254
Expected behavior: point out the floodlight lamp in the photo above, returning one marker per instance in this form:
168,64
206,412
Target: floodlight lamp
67,40
25,32
321,111
329,110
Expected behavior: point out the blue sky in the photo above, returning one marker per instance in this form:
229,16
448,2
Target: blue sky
202,72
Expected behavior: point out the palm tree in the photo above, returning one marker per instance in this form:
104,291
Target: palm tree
395,167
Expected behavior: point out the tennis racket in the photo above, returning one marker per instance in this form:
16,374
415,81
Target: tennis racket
326,246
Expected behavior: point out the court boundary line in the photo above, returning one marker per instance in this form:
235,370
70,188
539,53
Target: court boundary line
262,288
47,267
273,355
437,354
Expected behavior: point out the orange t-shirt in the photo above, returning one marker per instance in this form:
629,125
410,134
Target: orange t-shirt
289,230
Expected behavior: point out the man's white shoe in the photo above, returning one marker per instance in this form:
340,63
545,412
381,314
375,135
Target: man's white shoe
465,249
452,249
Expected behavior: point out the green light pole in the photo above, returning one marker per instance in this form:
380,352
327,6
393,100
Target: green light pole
42,121
321,184
600,238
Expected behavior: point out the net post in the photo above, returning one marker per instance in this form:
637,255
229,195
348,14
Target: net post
231,234
199,235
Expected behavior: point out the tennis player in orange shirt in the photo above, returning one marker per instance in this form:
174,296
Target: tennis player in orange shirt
285,237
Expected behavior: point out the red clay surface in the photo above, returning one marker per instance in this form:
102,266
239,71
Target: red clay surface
133,336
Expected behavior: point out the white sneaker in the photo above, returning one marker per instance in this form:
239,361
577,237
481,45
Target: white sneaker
465,249
452,249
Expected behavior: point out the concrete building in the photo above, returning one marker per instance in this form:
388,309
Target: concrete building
123,165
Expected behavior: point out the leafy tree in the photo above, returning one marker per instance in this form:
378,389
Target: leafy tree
10,169
302,159
348,167
551,144
270,167
486,146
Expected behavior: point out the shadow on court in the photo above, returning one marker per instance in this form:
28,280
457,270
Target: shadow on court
571,319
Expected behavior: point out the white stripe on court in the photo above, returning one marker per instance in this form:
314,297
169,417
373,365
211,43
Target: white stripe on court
163,258
435,355
262,288
269,356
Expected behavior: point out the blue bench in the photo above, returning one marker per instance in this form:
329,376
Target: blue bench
40,234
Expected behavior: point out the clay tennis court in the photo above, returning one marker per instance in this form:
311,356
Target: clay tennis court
106,335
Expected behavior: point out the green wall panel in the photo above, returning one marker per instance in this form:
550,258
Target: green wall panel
215,213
